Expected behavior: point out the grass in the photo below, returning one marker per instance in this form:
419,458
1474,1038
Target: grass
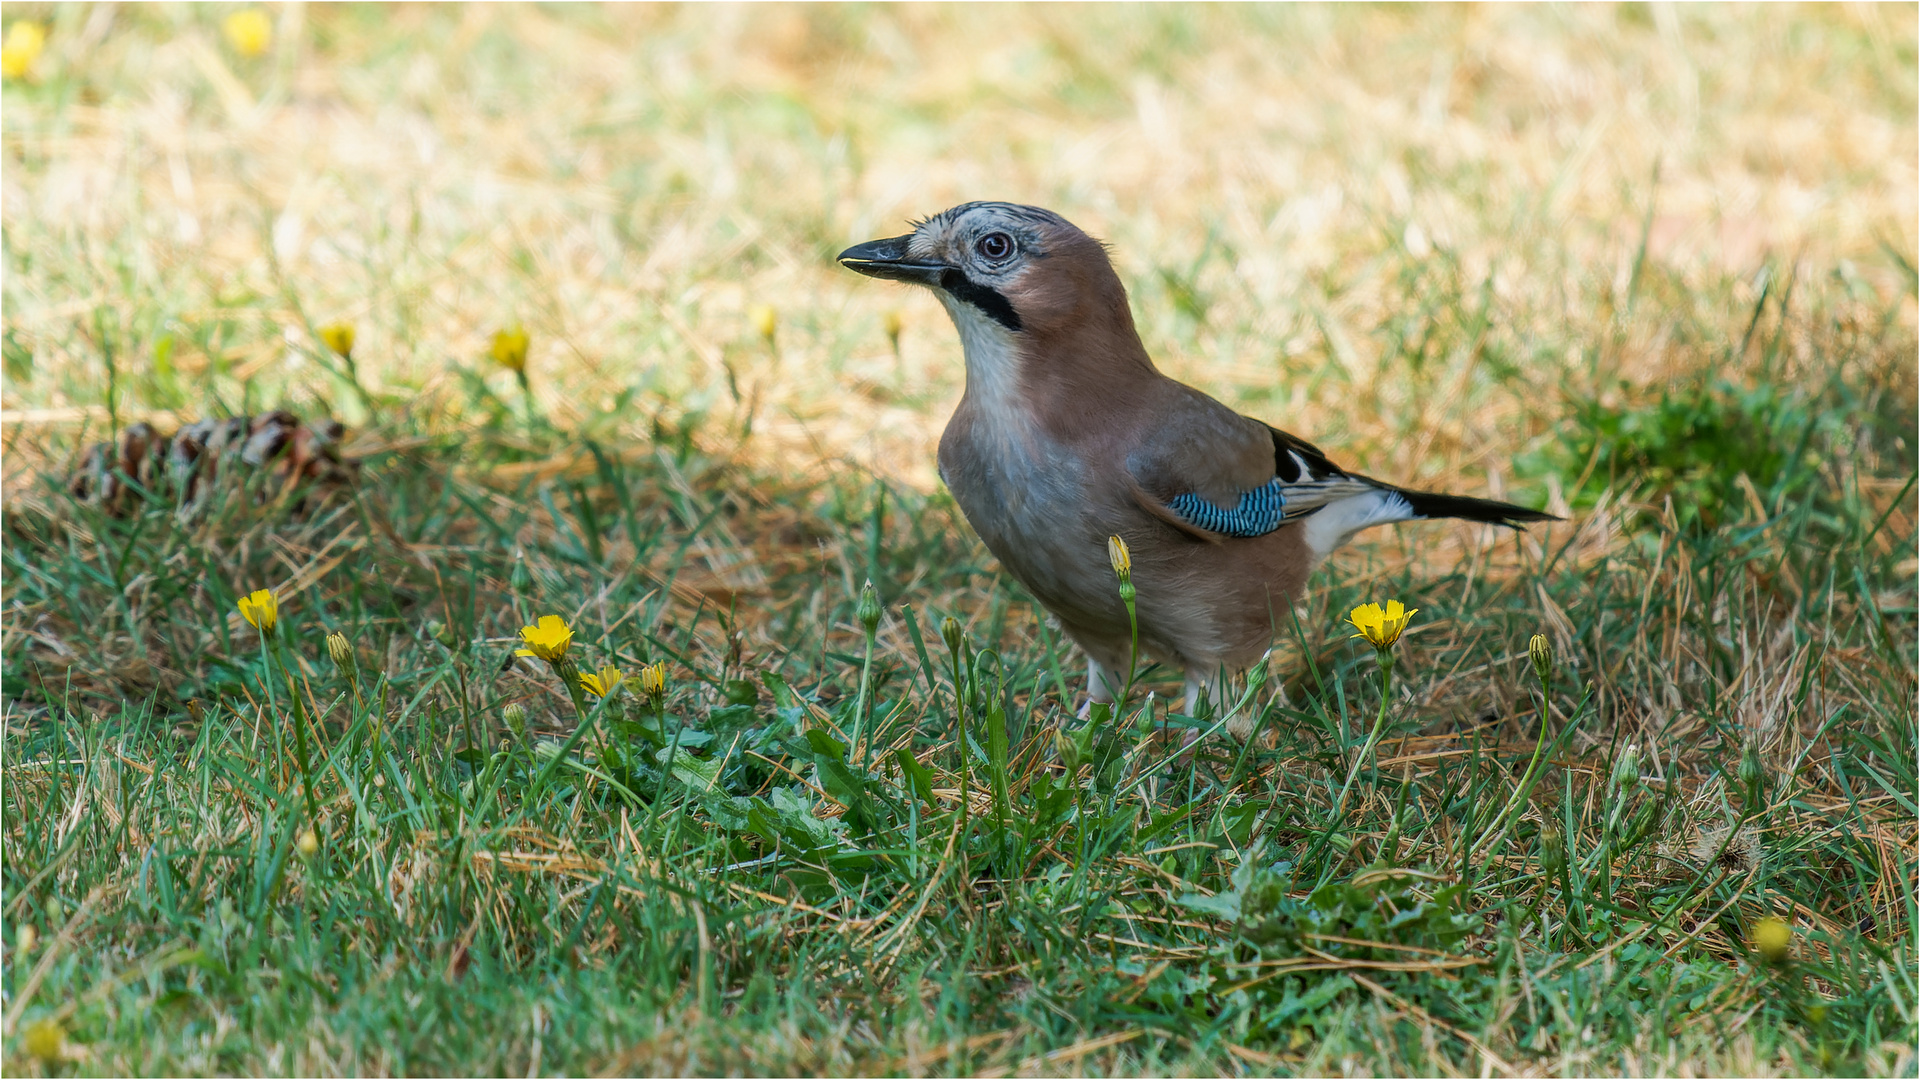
1652,268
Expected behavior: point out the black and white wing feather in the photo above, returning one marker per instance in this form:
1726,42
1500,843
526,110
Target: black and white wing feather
1304,482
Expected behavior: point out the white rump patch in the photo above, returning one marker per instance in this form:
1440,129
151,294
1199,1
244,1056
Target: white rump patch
1334,524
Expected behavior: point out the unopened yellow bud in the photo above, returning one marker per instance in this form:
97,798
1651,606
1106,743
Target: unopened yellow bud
1121,558
653,680
1626,768
765,320
1068,751
1752,773
340,651
953,634
1541,652
308,843
1553,851
25,937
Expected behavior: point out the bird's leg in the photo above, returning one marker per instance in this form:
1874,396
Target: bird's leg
1103,685
1213,684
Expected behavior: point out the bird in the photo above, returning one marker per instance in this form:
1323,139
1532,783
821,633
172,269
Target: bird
1067,434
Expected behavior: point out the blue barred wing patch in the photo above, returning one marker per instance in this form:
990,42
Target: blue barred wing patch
1258,513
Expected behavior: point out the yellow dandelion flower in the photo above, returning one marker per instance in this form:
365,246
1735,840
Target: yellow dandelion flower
1772,939
547,639
338,337
1120,556
653,679
249,31
46,1040
765,320
602,683
893,323
261,610
509,348
22,47
1381,627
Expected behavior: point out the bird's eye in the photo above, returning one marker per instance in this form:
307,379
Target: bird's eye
994,246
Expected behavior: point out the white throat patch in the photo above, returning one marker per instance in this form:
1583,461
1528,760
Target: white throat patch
993,362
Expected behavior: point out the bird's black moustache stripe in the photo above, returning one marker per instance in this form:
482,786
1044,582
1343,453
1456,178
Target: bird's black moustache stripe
962,287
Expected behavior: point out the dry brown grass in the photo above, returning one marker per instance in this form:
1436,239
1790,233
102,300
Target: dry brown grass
629,181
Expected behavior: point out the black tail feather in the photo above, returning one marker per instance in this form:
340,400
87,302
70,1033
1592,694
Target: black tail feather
1430,504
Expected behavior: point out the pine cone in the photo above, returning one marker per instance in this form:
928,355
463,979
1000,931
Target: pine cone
190,464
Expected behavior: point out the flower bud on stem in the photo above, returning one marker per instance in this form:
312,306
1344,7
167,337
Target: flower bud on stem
1540,651
868,612
1121,558
1753,778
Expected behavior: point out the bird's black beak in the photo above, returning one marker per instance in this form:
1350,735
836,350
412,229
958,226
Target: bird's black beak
888,259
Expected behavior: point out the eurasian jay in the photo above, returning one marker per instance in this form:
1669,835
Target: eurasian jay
1067,434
